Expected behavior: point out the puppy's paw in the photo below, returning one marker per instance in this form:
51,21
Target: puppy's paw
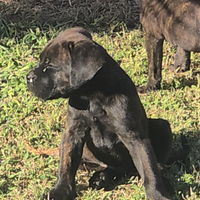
59,194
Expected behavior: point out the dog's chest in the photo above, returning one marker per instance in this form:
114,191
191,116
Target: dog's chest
102,129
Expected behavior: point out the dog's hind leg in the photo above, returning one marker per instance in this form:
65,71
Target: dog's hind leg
160,135
106,179
181,154
182,60
110,177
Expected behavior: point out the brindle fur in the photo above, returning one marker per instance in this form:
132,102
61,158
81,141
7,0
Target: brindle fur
177,21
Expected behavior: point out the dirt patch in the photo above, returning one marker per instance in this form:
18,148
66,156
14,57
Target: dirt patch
95,14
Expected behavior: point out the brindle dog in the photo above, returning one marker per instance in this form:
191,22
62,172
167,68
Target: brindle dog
106,122
177,21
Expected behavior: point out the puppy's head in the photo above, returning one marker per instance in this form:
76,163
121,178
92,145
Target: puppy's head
66,63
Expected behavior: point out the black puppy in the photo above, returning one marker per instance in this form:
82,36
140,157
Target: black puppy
177,21
105,115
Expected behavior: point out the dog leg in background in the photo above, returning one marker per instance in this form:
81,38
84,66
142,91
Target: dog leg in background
177,22
182,60
154,48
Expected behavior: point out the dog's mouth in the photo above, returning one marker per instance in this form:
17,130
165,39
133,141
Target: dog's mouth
48,91
41,90
61,93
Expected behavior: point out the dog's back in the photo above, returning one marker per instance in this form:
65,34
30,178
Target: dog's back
178,21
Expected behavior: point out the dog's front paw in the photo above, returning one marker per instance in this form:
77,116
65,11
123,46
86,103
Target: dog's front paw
143,89
152,85
60,193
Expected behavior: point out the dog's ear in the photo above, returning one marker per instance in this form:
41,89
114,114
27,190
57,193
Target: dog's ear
87,58
69,46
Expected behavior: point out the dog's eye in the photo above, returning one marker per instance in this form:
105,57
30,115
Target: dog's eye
49,66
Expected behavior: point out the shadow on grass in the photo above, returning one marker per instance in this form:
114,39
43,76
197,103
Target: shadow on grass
5,187
95,15
180,82
181,173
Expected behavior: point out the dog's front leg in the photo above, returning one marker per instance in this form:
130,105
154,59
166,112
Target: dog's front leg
144,159
154,48
70,156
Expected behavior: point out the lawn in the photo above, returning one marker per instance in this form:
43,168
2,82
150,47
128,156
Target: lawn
25,120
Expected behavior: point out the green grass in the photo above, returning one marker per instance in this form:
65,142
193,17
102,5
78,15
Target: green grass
25,119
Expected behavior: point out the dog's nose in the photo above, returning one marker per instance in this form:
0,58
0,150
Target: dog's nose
30,77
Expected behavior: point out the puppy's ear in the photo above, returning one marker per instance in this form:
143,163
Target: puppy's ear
68,46
87,59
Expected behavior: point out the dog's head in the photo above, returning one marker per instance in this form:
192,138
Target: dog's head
66,63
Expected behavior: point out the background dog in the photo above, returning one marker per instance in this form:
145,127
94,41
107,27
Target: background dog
106,121
176,21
